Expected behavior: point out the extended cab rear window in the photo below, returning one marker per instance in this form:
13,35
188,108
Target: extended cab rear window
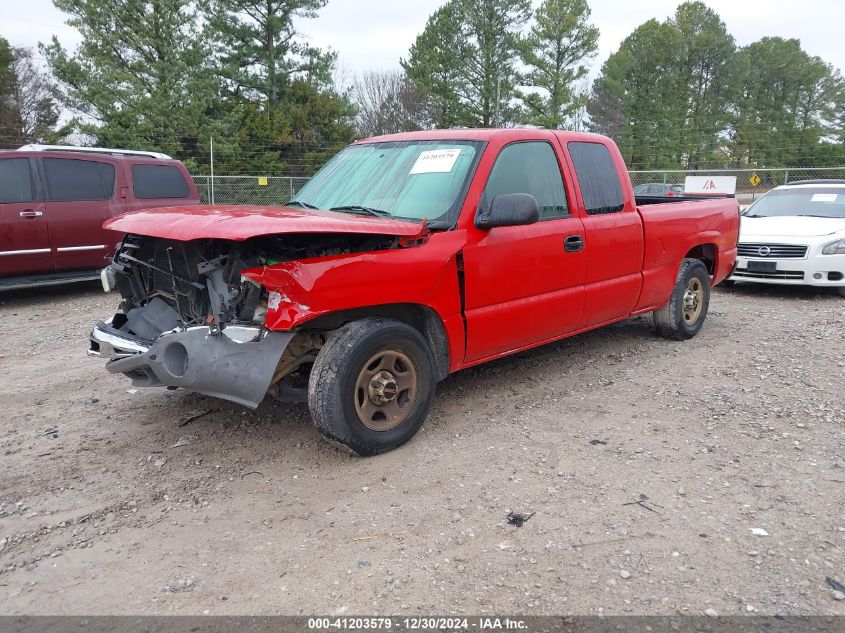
159,181
69,179
15,180
597,177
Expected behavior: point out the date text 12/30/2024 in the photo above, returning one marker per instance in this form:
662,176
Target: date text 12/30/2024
420,623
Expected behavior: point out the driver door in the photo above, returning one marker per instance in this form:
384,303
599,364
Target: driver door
524,284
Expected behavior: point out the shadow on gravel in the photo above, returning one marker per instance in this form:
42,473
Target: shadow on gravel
582,350
752,290
43,294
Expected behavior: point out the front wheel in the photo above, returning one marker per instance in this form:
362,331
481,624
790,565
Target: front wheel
372,385
684,315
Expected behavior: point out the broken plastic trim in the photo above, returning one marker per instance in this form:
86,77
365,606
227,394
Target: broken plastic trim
199,361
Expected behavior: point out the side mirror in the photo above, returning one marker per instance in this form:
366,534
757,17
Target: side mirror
508,209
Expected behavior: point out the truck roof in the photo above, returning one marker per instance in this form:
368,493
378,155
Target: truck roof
481,134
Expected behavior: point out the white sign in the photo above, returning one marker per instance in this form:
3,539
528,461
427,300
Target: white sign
824,197
436,161
712,185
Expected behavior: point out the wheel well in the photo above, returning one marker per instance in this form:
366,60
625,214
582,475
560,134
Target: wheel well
421,318
706,253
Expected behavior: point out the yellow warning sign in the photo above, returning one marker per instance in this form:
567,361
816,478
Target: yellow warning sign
754,180
262,181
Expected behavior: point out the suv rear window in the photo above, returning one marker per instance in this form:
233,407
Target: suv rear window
15,181
597,177
159,181
70,179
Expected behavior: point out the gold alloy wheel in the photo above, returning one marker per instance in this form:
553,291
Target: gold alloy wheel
385,390
693,300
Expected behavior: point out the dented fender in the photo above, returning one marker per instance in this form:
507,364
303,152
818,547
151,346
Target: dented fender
425,275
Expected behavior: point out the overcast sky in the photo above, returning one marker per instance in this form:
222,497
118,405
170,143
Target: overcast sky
374,34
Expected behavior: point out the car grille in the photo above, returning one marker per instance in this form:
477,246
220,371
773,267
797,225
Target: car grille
775,274
772,251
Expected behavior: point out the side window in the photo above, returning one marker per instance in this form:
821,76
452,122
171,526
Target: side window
15,180
70,179
158,181
529,167
597,178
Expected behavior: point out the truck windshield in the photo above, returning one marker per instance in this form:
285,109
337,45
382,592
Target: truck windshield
407,180
821,202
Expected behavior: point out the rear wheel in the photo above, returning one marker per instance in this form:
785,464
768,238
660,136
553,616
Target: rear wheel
372,385
684,315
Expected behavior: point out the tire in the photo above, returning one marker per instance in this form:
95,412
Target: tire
679,320
372,385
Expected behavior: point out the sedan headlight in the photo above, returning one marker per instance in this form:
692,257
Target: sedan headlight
834,248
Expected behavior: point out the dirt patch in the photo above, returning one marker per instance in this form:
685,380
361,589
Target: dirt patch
648,470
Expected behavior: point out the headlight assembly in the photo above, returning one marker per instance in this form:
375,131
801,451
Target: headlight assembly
834,248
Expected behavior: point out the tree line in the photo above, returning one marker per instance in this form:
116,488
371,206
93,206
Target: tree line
170,75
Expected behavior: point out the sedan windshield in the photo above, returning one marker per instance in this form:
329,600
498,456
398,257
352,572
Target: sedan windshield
821,202
406,180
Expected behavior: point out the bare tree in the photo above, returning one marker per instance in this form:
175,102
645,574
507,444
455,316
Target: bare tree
387,102
32,94
578,119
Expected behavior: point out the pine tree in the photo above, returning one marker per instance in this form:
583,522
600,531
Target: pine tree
707,82
789,102
142,74
434,66
666,93
490,29
635,98
260,53
465,61
556,51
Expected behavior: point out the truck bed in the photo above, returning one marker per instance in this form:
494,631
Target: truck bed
646,200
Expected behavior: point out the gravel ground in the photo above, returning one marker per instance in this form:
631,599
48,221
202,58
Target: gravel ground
663,478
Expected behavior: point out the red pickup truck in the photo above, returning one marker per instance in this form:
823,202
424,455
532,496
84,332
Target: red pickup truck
407,257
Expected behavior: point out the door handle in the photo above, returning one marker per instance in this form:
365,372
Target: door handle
573,243
29,213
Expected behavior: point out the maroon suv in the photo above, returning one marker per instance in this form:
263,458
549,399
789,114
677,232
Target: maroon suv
54,200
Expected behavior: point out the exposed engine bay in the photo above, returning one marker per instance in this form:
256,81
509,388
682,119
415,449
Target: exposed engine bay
189,318
183,284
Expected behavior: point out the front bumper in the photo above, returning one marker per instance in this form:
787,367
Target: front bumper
813,270
195,359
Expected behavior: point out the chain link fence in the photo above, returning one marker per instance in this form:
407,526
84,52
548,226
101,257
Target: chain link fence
276,190
750,183
261,190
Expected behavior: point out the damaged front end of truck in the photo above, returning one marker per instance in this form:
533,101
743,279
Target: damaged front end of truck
194,313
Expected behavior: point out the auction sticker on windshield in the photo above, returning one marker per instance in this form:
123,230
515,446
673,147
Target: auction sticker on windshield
824,197
436,161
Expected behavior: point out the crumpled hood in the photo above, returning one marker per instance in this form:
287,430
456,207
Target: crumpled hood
242,222
790,226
